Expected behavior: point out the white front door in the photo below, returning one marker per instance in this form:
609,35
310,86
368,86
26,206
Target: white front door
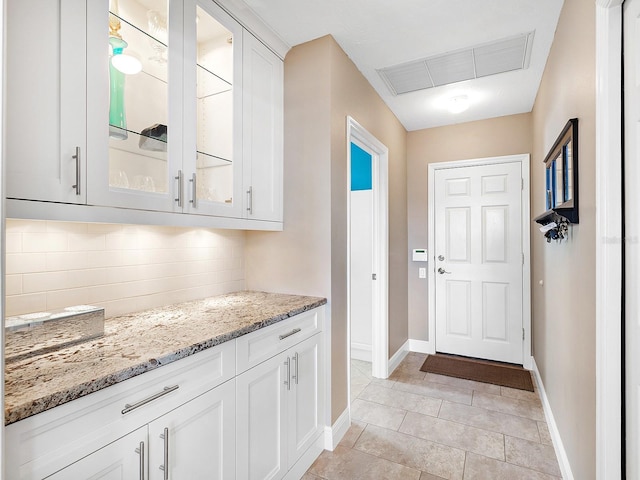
631,28
479,261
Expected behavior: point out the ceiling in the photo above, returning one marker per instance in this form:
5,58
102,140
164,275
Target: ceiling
377,34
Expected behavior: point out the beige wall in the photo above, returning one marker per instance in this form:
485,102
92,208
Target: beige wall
564,308
487,138
322,87
353,95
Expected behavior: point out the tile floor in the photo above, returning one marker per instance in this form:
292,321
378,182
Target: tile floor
422,426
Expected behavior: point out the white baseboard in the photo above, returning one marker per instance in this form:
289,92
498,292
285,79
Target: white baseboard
397,358
563,460
333,434
361,351
421,346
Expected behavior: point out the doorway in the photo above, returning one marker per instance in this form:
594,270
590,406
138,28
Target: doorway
367,249
479,286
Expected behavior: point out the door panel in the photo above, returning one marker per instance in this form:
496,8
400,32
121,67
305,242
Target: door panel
459,314
495,314
494,233
458,230
478,241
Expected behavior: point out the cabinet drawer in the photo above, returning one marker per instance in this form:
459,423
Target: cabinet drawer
260,345
40,445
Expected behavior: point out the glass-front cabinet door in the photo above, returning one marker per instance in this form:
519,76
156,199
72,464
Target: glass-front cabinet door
161,100
213,104
133,118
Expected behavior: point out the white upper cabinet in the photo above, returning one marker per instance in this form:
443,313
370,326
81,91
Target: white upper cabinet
142,106
213,104
173,137
263,77
45,100
134,110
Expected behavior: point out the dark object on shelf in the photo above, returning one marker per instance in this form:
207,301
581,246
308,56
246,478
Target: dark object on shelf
561,192
154,138
554,226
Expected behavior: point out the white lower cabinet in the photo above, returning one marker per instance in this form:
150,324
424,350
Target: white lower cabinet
123,459
250,408
279,411
196,440
305,400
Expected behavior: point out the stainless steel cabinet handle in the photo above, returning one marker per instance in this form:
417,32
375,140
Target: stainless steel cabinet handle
292,332
193,191
287,382
442,271
140,451
165,466
127,408
250,200
77,159
179,179
295,375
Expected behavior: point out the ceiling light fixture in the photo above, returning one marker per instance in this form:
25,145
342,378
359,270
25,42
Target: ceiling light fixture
458,104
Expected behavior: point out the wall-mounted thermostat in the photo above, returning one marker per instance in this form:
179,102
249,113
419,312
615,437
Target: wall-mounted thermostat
419,254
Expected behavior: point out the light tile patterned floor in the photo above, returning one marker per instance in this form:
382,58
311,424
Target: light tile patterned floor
422,426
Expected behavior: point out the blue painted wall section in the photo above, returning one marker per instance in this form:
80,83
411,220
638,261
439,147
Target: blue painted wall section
360,168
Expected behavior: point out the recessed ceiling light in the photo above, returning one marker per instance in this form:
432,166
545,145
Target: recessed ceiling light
458,104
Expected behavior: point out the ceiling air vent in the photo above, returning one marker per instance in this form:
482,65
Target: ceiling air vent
501,56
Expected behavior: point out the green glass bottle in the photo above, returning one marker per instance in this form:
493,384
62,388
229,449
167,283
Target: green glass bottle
117,116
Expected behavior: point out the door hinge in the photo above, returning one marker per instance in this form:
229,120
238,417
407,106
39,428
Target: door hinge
523,258
523,334
522,184
374,276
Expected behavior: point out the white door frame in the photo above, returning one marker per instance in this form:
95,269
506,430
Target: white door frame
380,183
526,250
609,239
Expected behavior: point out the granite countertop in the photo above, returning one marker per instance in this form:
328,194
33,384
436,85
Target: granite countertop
139,342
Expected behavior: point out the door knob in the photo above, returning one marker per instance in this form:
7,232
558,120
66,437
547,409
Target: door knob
442,271
440,257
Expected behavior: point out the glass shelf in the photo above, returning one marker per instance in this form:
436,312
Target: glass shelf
205,160
210,84
151,52
132,144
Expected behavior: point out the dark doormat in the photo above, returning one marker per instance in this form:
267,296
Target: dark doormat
497,373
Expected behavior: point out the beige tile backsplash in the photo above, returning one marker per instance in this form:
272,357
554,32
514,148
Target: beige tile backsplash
123,268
